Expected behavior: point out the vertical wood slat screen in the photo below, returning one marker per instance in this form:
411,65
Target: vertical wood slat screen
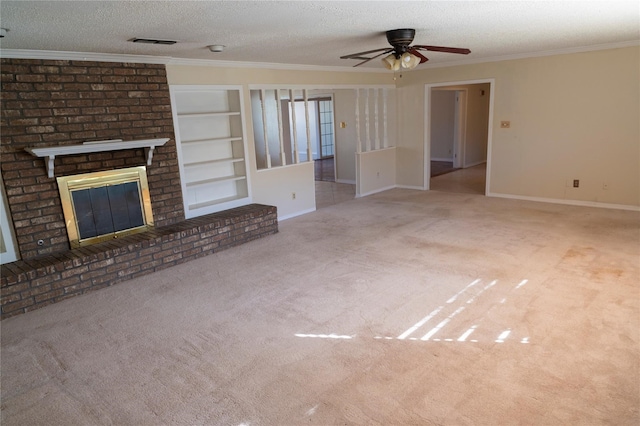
294,124
307,121
358,138
266,99
264,127
367,124
379,119
376,115
283,156
385,140
371,124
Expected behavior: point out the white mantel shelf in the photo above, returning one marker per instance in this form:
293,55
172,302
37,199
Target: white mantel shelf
94,146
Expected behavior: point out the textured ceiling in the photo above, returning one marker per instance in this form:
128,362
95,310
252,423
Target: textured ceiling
315,32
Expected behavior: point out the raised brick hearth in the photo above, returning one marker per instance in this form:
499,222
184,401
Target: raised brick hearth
31,284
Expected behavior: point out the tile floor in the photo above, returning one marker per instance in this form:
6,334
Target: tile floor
330,193
325,169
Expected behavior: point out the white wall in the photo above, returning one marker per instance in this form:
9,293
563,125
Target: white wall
276,187
573,116
344,105
476,124
376,171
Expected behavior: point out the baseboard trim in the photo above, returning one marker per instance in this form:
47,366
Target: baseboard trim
300,213
449,160
347,181
566,202
419,188
466,166
386,188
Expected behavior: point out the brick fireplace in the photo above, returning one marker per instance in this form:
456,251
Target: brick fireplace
69,102
45,103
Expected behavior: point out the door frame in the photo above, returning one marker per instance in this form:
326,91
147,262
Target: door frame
327,97
319,99
427,127
460,128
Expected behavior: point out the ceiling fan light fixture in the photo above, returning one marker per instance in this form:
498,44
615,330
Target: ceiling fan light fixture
391,62
409,61
403,55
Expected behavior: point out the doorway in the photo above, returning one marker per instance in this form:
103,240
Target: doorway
448,107
325,169
320,134
458,136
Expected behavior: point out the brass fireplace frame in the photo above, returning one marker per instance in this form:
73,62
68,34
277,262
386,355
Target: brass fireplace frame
67,184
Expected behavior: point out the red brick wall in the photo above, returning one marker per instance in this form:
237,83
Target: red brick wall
46,103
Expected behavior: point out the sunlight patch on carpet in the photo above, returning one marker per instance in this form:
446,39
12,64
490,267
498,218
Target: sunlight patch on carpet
493,302
325,336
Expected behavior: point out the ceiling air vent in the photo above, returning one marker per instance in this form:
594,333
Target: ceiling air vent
152,41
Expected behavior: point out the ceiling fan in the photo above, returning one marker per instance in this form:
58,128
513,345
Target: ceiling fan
402,55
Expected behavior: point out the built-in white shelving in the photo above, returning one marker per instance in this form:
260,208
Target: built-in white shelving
211,144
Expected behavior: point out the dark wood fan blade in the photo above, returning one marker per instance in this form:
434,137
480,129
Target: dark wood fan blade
423,58
359,55
443,49
368,59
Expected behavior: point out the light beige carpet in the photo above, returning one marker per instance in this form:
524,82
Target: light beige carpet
399,308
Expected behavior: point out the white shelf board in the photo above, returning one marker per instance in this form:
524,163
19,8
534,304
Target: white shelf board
215,202
218,160
94,146
215,180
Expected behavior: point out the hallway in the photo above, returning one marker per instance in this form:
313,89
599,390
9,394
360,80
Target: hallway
471,180
463,181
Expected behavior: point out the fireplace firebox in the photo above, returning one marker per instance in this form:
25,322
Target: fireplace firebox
105,205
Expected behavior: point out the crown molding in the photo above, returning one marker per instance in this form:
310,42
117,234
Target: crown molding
269,65
169,60
55,55
581,49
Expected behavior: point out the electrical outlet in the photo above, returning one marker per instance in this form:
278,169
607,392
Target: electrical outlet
293,195
576,183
